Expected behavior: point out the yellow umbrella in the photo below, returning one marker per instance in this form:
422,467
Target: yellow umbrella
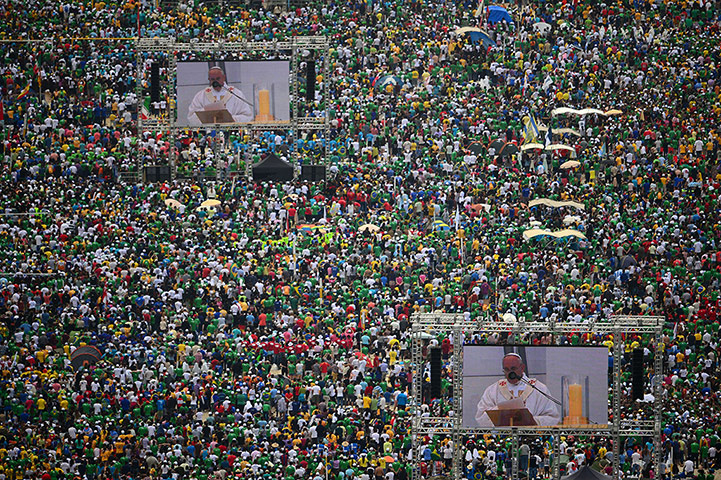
210,203
172,203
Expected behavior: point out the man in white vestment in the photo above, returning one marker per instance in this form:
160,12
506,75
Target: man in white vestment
217,96
545,412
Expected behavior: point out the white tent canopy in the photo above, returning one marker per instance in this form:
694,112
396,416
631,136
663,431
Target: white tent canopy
554,203
583,111
538,232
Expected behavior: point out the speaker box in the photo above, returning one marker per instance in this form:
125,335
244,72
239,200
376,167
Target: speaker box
435,372
312,173
154,82
637,375
310,85
157,173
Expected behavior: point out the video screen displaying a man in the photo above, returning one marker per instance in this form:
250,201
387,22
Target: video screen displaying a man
512,394
232,92
217,97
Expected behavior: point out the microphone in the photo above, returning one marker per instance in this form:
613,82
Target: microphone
217,84
515,376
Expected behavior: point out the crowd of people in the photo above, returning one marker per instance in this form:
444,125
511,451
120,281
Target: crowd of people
266,335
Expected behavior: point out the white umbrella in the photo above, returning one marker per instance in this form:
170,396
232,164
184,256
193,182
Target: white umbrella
530,146
541,27
369,227
571,164
467,29
172,203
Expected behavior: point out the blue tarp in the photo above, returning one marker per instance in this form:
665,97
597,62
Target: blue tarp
497,14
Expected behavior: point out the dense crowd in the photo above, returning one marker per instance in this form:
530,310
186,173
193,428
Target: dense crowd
268,336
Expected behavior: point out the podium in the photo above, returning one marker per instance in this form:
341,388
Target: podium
221,115
511,417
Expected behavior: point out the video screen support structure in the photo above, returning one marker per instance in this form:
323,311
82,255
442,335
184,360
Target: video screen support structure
170,47
456,324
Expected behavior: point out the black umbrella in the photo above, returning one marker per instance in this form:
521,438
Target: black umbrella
496,144
475,148
507,150
81,355
627,261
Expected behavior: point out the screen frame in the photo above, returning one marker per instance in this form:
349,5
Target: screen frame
469,402
238,76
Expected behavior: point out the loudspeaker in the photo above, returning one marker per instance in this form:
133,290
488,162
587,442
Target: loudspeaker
637,376
312,173
310,82
157,173
435,372
154,82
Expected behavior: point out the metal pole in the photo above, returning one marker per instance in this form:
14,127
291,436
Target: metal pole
295,134
326,107
617,355
514,455
457,399
658,402
173,158
415,399
140,100
556,465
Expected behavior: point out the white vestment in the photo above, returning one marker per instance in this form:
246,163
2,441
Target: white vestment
241,111
544,411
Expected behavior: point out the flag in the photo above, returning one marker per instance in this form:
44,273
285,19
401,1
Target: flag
24,93
549,135
235,270
547,84
534,127
36,70
457,220
480,10
530,129
525,84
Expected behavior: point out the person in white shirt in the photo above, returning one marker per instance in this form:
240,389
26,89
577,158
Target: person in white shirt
219,95
515,385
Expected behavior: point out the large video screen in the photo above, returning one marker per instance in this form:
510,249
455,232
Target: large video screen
535,386
232,92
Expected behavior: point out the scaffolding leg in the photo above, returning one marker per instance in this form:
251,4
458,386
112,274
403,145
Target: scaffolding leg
457,404
658,405
415,398
618,342
556,465
514,455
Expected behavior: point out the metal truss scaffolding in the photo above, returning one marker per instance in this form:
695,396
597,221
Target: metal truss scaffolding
458,325
296,124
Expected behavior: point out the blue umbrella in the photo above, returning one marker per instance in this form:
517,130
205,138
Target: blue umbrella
441,225
483,37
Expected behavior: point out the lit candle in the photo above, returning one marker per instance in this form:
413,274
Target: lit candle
575,401
263,102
